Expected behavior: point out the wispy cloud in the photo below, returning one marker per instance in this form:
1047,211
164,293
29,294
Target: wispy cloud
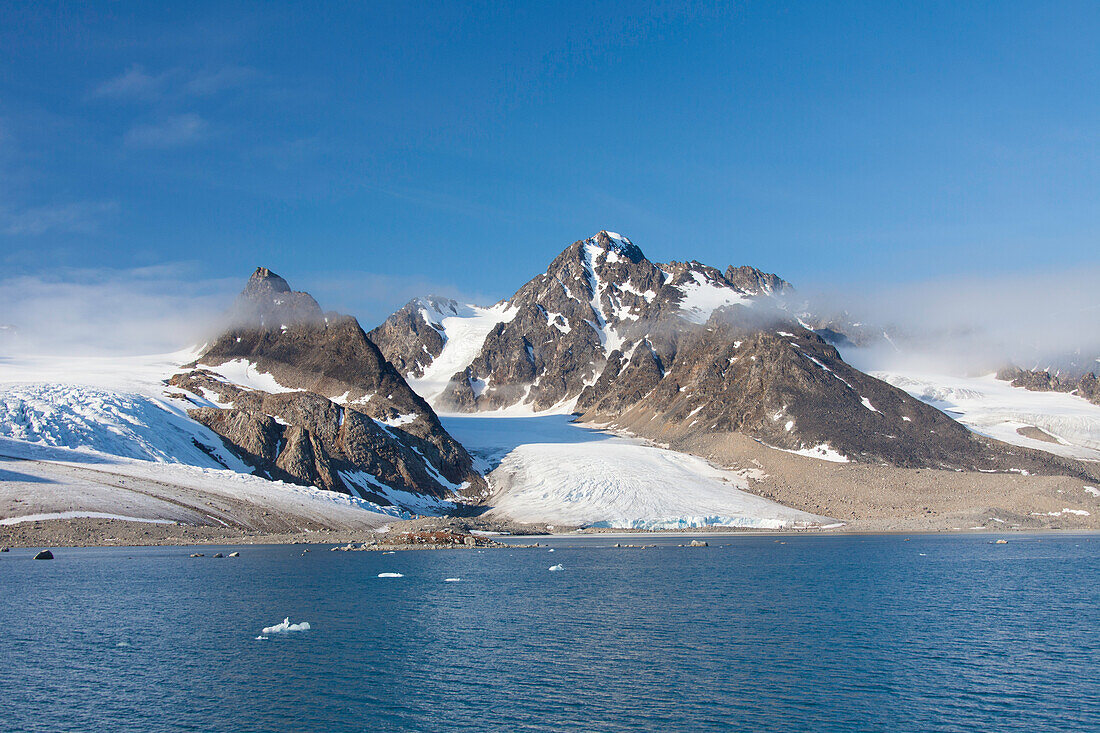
134,83
205,83
138,84
79,217
170,132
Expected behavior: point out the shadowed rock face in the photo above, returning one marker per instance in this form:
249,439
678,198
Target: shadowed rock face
347,414
672,350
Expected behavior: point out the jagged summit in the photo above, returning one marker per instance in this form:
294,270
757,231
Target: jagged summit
756,281
615,242
268,302
265,281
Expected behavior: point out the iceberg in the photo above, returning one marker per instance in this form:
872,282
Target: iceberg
556,567
390,575
286,626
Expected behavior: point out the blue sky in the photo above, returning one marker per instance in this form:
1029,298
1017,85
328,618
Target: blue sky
368,151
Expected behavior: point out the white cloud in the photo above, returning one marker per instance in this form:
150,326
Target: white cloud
166,307
978,322
100,310
170,132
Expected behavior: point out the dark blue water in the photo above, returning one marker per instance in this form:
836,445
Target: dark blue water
819,633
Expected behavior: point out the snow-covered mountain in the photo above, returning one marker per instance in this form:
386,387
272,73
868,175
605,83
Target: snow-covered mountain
669,352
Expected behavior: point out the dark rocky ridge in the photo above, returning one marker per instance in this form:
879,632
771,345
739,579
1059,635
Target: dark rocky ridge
1086,386
627,339
334,424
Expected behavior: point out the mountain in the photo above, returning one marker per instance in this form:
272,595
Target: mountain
304,396
670,352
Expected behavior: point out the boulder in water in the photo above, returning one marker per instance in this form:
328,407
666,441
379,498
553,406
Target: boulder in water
44,555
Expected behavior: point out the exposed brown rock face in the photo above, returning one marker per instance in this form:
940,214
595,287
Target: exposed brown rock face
672,350
1043,381
350,422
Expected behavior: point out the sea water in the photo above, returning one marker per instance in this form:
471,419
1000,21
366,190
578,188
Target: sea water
837,633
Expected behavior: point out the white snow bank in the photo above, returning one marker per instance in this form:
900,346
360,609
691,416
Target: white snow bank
285,627
244,373
703,297
822,452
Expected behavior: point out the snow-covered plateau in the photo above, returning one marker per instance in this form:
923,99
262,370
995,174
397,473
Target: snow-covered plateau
995,408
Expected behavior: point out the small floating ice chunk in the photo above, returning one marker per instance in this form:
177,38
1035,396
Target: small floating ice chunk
390,575
452,580
556,567
551,549
389,552
261,638
286,626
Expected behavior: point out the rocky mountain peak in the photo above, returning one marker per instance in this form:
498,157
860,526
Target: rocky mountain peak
268,301
617,243
757,282
264,280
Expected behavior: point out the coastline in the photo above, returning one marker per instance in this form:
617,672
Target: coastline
76,533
